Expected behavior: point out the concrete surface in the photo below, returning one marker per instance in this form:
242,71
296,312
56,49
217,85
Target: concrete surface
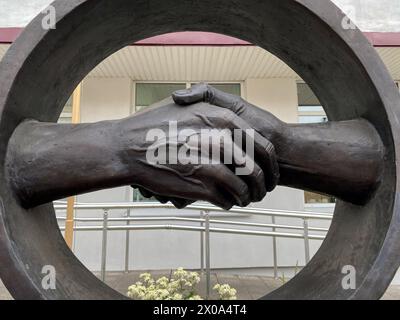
248,287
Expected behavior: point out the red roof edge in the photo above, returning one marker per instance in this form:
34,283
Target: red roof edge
8,35
384,39
189,38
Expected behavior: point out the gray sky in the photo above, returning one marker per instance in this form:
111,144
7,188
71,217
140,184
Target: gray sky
17,13
369,15
373,15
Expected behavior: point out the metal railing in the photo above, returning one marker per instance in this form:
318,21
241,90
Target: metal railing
204,227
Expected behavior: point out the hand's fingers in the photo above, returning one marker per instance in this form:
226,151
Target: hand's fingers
214,183
220,199
203,92
263,153
148,194
250,173
243,165
231,189
161,199
197,93
145,193
177,202
181,203
269,164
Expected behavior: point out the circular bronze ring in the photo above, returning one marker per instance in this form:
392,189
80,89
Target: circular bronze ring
41,69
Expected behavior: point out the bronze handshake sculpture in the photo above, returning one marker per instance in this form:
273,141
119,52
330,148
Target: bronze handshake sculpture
342,159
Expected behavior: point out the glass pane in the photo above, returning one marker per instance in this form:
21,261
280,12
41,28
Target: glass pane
312,119
66,114
229,88
137,197
149,93
232,88
306,96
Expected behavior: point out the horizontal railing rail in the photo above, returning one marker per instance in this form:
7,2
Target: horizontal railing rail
193,228
179,219
150,205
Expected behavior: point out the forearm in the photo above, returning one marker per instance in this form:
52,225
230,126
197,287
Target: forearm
342,159
53,161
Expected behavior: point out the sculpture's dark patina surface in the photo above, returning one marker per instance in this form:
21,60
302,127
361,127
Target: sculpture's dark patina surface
353,157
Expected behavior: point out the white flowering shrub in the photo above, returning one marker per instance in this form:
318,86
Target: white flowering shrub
181,286
225,292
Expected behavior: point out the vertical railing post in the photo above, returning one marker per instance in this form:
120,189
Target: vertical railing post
274,250
207,245
202,243
306,240
127,242
104,245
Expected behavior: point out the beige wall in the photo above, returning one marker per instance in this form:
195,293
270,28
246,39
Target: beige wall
105,99
278,96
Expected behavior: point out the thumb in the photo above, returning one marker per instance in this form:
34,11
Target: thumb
203,92
197,93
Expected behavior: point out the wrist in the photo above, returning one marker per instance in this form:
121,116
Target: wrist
130,147
271,127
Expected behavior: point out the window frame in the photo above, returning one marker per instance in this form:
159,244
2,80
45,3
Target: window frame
188,84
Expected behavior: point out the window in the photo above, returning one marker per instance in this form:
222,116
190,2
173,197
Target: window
149,93
66,114
232,88
311,111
